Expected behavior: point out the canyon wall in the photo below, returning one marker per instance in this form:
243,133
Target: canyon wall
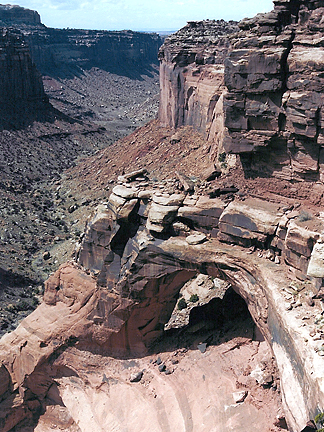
192,74
270,111
65,53
12,14
149,239
21,89
20,80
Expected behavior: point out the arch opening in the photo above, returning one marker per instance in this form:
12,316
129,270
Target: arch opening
209,309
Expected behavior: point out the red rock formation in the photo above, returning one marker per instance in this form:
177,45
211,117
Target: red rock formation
20,80
123,310
272,93
132,262
191,74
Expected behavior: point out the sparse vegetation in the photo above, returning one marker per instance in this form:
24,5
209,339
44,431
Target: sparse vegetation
222,157
194,298
182,304
304,216
319,420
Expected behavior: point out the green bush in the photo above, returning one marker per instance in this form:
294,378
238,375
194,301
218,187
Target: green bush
304,216
194,298
182,304
222,157
319,419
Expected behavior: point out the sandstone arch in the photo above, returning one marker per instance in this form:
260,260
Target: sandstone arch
128,317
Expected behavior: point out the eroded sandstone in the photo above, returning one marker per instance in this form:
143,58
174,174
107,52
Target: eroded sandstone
118,301
260,94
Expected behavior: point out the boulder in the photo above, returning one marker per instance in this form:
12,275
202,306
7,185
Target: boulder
240,396
250,220
203,212
196,239
316,262
161,217
300,240
169,200
125,192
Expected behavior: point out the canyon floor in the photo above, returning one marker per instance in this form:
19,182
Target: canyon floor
37,212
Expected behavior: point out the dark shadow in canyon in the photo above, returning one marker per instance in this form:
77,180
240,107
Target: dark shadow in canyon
18,115
214,323
276,156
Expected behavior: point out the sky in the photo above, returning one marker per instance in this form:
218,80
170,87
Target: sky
142,15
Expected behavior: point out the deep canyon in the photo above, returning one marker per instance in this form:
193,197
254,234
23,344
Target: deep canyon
183,259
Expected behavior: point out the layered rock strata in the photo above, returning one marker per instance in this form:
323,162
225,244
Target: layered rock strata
137,253
65,53
12,14
266,102
192,74
21,88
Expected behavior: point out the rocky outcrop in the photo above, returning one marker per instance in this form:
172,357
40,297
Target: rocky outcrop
12,14
65,53
135,257
20,80
271,103
192,74
274,102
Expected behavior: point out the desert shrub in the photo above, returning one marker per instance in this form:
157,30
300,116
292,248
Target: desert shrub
182,304
194,298
319,419
222,157
304,216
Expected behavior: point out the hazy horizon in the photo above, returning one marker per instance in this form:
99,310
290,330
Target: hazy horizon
159,15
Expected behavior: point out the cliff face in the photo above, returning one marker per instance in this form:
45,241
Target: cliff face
11,14
19,78
271,108
67,52
192,72
21,89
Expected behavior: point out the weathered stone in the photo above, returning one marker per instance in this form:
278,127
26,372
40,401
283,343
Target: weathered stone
125,192
296,260
248,113
211,173
300,240
125,211
136,376
129,177
98,234
187,184
204,214
116,202
252,219
171,200
146,194
161,214
316,263
189,92
4,381
196,239
240,396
